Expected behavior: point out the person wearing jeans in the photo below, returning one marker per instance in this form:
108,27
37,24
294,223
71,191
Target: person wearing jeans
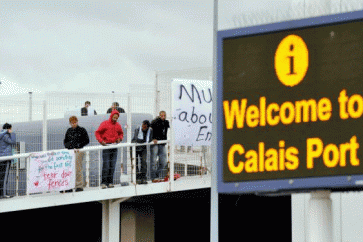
160,128
109,157
7,139
109,132
158,150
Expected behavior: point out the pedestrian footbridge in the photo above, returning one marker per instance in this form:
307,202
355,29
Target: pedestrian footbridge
192,166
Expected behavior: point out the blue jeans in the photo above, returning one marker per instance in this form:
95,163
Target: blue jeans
158,150
4,173
108,166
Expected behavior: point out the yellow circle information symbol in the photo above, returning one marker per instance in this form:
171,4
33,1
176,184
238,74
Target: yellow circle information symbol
291,60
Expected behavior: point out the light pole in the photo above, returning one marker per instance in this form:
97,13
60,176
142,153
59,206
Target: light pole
30,106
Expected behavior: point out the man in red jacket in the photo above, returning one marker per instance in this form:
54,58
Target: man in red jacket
109,132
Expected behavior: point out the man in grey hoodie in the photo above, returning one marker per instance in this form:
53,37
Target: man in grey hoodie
7,138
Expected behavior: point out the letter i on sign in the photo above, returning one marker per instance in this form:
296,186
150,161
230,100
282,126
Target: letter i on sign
291,60
292,72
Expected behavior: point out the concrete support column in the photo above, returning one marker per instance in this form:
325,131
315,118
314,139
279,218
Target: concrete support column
137,223
111,220
320,217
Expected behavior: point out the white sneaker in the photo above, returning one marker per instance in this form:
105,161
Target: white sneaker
110,185
103,186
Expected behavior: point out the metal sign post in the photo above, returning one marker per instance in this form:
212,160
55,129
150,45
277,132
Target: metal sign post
214,183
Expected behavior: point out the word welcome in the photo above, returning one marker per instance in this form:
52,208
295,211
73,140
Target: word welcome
240,114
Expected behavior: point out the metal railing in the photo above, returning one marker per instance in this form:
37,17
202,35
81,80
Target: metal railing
188,164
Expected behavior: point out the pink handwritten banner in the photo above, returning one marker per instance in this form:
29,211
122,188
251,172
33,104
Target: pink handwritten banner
51,171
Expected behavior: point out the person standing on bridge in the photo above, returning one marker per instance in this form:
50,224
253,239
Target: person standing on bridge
7,139
160,128
115,106
109,132
76,138
143,134
87,110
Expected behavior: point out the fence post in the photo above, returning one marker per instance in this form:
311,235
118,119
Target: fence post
129,134
30,106
45,128
156,95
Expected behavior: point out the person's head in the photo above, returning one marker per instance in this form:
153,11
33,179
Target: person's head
114,116
7,126
145,124
87,104
162,115
73,121
115,104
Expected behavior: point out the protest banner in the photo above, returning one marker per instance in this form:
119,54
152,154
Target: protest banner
51,171
192,112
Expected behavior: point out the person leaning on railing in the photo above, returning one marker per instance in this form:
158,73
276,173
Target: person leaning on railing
76,138
109,131
7,138
160,128
142,134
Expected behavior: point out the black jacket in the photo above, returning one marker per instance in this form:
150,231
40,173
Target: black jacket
120,110
76,138
84,111
160,129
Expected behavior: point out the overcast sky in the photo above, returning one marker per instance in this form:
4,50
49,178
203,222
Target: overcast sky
103,46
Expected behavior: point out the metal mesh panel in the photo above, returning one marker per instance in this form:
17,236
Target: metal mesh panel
15,108
165,78
71,102
142,98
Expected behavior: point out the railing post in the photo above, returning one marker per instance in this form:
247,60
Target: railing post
27,175
172,157
133,164
100,168
17,178
87,169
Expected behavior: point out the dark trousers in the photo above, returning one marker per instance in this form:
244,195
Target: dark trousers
4,173
108,166
141,156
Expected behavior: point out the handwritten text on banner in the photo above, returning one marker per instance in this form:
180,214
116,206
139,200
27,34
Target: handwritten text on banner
192,112
51,171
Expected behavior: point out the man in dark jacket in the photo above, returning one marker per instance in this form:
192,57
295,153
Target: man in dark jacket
87,109
143,134
76,138
115,106
7,139
160,128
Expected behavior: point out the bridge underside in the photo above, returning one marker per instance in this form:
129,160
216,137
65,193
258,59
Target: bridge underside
97,194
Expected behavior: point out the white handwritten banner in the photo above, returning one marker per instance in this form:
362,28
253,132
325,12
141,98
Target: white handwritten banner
51,171
192,112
